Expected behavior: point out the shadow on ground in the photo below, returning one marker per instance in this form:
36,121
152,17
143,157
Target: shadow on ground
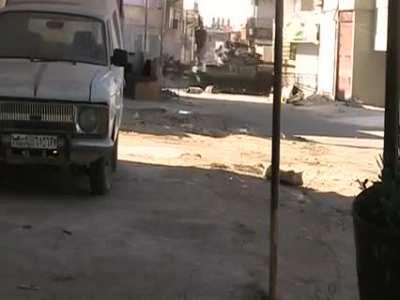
166,233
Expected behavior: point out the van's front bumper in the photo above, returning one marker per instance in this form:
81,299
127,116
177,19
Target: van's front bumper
86,151
78,151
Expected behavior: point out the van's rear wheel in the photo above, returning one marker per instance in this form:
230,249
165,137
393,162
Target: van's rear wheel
100,174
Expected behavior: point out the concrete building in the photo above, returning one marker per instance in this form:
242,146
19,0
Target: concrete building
191,23
302,42
260,28
135,28
174,30
337,48
352,51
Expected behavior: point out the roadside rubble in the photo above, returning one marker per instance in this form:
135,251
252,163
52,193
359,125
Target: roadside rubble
194,90
298,97
167,94
288,177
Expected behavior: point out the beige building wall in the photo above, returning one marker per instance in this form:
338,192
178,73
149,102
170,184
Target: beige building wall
327,53
369,71
369,66
174,31
134,30
307,66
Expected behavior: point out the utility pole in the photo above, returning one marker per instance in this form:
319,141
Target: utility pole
276,148
146,25
162,38
392,91
162,29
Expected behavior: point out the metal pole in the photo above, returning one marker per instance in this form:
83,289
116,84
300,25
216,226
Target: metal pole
162,38
146,24
162,29
392,90
276,148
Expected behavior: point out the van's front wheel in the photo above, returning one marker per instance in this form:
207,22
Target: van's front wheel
100,174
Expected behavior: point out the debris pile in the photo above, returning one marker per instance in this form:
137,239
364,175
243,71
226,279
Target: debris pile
288,177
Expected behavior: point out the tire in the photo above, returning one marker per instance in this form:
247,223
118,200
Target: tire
100,175
115,156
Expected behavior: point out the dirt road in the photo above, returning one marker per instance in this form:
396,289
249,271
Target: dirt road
187,218
195,132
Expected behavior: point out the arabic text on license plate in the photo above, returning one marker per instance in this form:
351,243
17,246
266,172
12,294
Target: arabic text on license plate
22,141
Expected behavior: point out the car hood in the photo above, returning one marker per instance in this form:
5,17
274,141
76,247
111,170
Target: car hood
48,80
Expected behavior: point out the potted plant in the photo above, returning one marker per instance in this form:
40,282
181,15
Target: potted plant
376,215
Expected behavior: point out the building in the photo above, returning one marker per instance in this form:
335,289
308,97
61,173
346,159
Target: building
143,28
352,50
138,37
260,29
174,30
302,43
336,48
191,23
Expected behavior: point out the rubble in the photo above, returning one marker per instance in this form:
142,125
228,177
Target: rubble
167,94
194,90
296,96
288,177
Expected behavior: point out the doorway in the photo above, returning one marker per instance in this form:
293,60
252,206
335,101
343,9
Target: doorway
345,56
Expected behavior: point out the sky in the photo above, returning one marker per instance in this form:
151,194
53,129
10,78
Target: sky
237,10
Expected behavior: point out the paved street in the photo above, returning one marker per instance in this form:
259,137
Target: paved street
186,221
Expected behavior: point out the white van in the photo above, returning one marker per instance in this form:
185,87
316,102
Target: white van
61,85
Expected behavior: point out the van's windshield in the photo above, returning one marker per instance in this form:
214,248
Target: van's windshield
53,37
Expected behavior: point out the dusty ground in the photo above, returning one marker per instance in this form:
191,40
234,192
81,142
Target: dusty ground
188,215
192,133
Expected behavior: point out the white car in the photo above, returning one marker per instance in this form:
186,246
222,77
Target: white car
61,85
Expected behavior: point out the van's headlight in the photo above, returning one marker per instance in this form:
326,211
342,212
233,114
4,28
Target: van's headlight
92,120
88,120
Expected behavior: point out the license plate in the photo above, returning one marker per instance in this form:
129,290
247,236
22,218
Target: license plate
24,141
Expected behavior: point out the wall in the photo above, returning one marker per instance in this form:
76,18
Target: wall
369,65
307,62
190,25
348,4
265,13
174,37
134,29
327,52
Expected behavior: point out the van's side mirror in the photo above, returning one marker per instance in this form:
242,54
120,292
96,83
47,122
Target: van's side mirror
119,58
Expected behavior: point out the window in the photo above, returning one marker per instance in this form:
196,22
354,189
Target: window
307,4
52,36
175,24
293,51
